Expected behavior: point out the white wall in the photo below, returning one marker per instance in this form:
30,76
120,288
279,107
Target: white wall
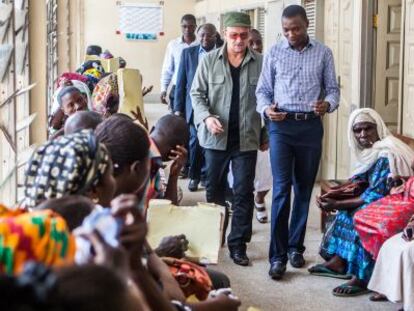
100,22
212,9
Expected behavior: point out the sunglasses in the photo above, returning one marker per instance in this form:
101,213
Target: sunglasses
235,35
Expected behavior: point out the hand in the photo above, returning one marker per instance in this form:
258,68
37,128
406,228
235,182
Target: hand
138,116
163,98
58,119
326,204
134,231
172,246
213,125
179,158
320,107
264,147
408,233
146,90
223,302
106,255
396,184
274,115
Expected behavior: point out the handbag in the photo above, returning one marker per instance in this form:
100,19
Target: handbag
192,278
348,190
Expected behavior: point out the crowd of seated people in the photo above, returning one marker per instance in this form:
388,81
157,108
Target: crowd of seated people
78,240
370,240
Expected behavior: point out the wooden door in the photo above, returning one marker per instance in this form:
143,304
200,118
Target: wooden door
408,84
331,35
344,68
388,61
339,37
273,24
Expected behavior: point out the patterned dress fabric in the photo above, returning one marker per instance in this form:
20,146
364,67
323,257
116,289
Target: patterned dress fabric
70,164
384,218
345,241
40,236
105,97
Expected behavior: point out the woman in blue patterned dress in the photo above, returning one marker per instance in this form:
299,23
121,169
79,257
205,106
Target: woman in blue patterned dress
379,155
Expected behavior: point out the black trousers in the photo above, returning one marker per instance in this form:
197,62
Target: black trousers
196,156
243,168
171,97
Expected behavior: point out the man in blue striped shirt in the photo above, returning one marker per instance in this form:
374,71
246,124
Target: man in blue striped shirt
296,88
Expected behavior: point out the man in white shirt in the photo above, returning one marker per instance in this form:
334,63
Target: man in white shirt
173,56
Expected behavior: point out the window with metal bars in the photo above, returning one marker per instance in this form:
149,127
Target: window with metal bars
15,118
52,50
310,8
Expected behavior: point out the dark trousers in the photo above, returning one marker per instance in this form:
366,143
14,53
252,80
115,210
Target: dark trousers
243,167
196,155
171,97
295,151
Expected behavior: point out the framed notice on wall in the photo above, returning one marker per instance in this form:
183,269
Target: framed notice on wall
140,21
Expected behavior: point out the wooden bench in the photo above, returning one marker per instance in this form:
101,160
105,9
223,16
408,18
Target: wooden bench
326,185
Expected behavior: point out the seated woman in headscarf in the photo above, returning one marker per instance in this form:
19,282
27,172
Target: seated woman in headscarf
69,99
393,275
388,216
71,164
40,236
378,155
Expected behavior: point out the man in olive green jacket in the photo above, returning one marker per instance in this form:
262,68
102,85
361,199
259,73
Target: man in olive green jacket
224,102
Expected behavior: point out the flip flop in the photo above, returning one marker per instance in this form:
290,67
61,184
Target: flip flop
321,270
261,213
354,291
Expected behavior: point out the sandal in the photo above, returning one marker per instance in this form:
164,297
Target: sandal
261,212
321,270
352,290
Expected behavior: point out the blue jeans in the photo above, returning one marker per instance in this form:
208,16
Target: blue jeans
295,152
243,168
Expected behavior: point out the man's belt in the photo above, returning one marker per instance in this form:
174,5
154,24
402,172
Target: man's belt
301,116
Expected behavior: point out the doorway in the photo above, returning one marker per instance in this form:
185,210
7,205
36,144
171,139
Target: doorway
387,51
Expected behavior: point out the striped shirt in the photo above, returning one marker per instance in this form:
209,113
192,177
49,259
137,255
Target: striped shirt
296,79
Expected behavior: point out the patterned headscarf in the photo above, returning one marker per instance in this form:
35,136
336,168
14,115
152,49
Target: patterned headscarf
105,96
70,164
40,236
71,76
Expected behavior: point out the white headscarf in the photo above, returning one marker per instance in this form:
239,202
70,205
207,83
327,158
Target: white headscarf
82,87
400,155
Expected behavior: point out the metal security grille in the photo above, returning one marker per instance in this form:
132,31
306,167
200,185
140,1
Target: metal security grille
310,7
260,21
15,117
52,49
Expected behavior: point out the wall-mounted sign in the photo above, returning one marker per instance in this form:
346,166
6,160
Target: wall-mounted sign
140,21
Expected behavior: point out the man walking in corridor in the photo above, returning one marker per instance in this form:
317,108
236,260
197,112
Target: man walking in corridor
190,58
224,103
296,88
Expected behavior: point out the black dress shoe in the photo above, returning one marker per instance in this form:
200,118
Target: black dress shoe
277,270
296,260
238,254
193,185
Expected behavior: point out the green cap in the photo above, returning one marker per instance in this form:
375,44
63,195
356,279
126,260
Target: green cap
236,19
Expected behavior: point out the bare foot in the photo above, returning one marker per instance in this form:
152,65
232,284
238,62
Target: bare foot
378,297
336,264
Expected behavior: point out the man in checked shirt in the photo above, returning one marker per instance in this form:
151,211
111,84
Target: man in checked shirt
296,88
